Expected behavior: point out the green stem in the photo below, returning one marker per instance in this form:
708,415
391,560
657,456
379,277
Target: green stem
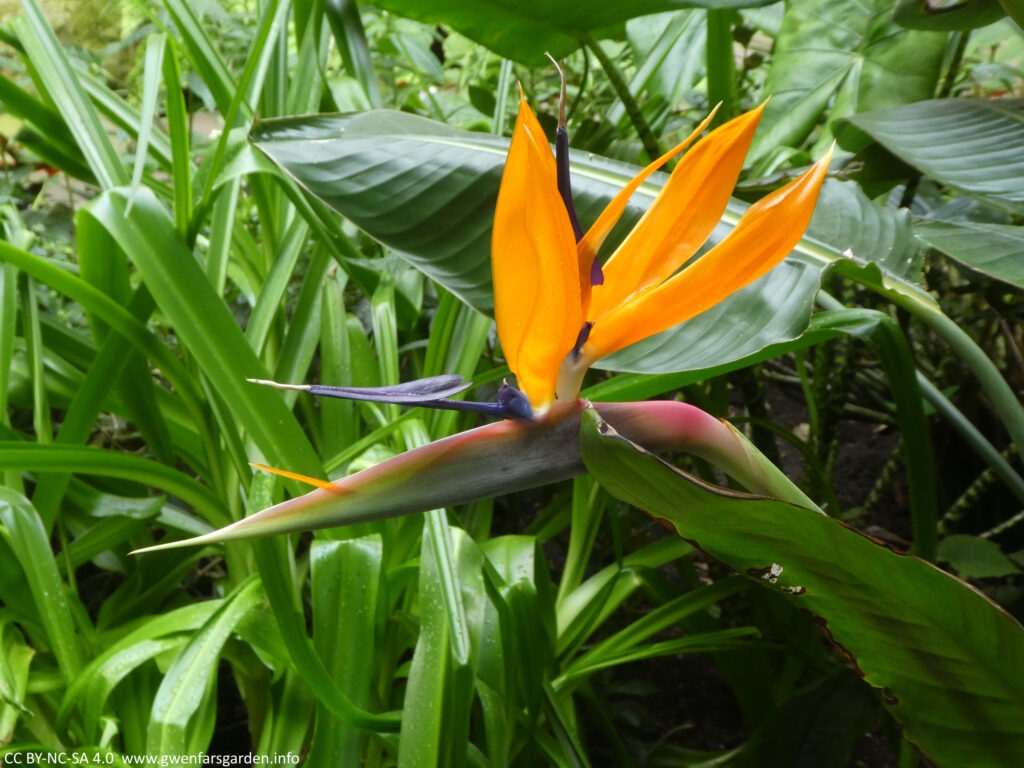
1001,468
892,349
647,137
720,65
949,80
500,103
992,383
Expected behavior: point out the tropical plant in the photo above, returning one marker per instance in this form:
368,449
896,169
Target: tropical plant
496,594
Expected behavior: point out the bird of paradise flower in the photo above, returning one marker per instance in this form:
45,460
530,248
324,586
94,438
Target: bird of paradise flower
558,310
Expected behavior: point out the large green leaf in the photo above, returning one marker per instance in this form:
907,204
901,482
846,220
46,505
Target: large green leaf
975,146
525,31
22,529
438,700
996,250
847,56
428,191
962,15
346,580
946,658
190,677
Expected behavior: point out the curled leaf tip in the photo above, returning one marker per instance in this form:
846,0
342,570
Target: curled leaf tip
560,68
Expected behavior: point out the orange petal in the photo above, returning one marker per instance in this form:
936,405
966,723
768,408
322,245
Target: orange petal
587,248
533,260
768,231
681,218
314,481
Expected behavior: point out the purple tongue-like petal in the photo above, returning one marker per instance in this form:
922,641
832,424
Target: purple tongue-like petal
596,273
408,393
433,392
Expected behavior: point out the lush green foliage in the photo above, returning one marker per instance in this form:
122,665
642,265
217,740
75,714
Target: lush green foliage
171,228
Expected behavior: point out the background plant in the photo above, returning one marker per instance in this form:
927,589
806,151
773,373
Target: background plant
151,265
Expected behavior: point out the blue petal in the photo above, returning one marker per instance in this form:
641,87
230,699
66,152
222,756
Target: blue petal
409,393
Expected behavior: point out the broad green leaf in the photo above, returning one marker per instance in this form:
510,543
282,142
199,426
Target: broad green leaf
103,678
428,191
523,32
346,580
15,662
974,146
945,657
276,569
439,696
996,250
1014,11
23,531
188,681
518,642
847,58
975,558
961,15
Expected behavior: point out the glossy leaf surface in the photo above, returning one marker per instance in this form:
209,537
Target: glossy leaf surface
428,191
525,31
992,249
975,146
944,655
963,15
845,57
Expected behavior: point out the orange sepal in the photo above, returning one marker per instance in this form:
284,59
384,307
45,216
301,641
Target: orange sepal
681,218
588,247
766,233
533,261
316,482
